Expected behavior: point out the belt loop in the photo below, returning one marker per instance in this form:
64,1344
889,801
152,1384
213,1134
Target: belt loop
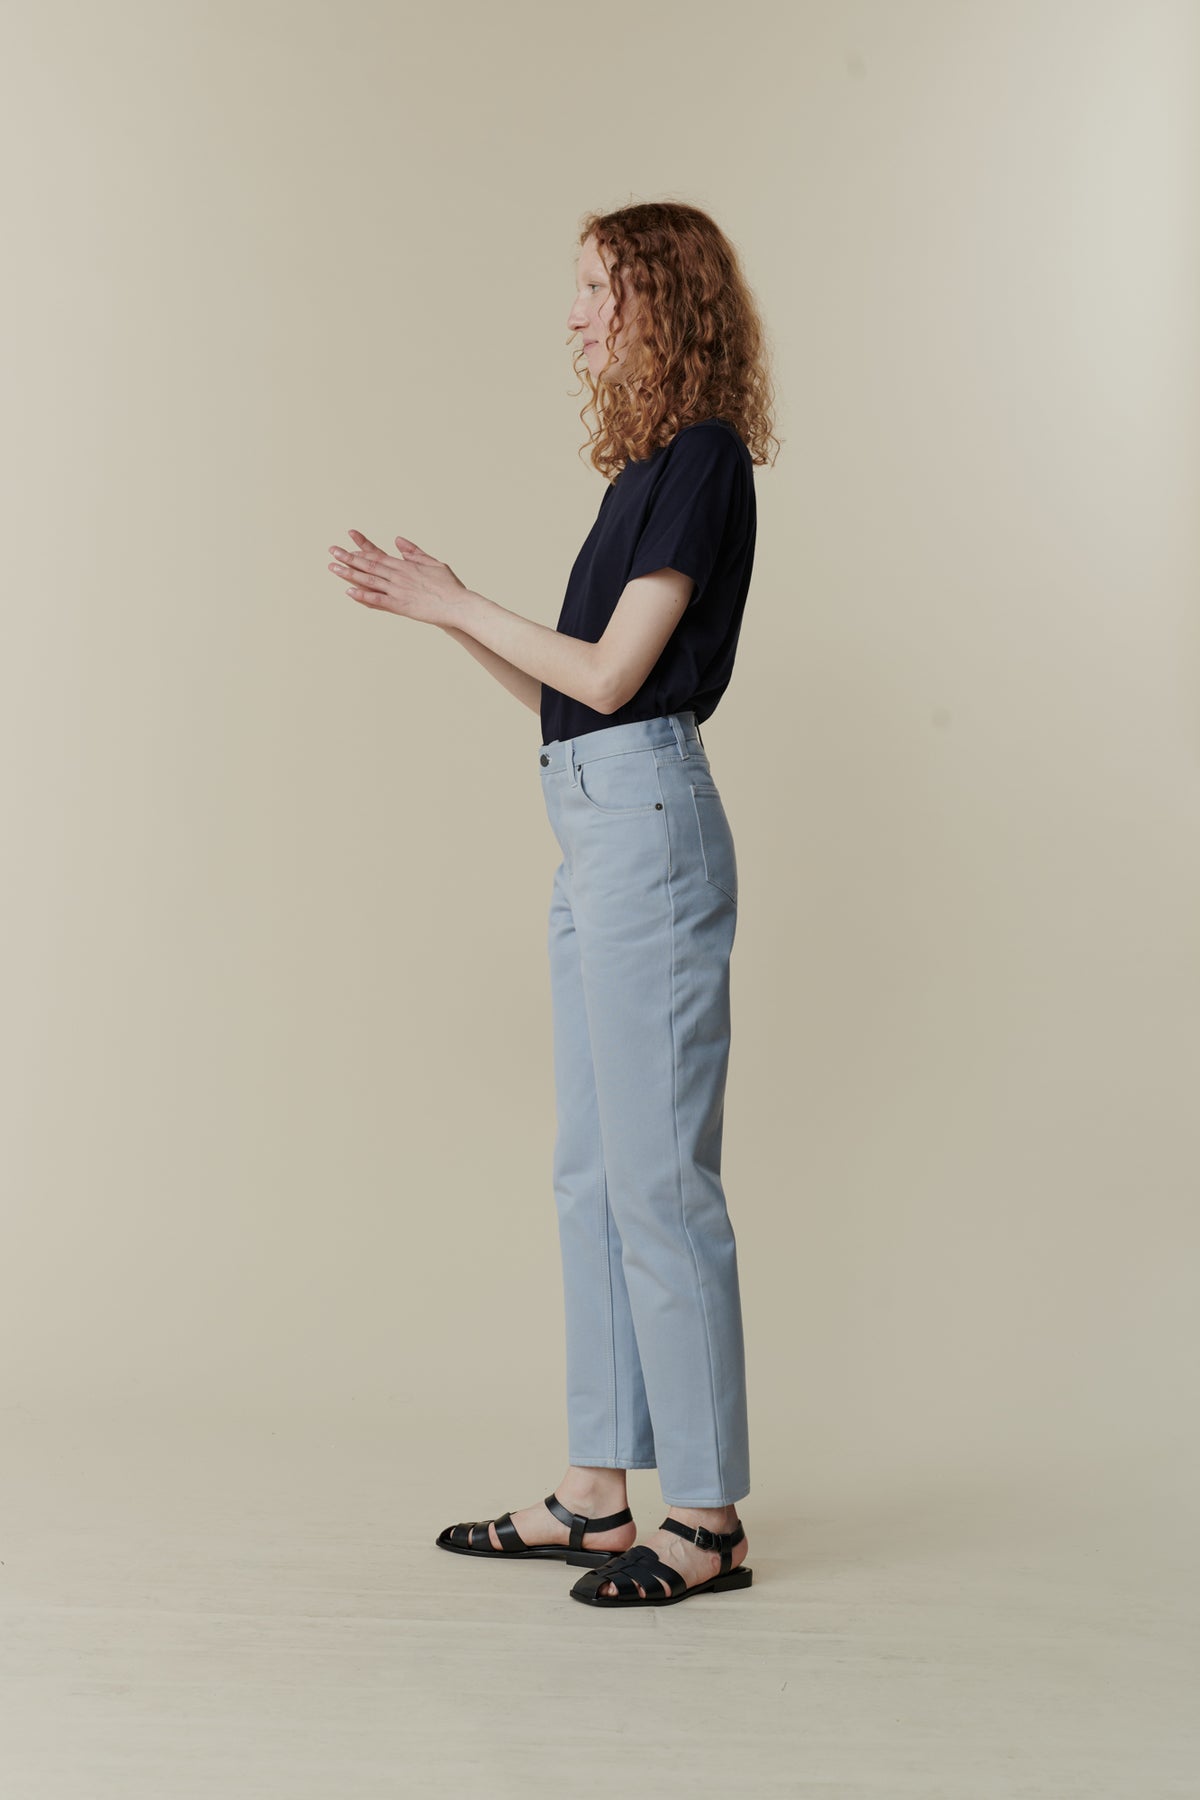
680,735
571,762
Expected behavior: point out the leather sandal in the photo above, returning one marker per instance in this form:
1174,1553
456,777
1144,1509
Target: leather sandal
470,1538
641,1563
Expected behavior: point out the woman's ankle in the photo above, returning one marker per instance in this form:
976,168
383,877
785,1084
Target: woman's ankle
713,1518
594,1489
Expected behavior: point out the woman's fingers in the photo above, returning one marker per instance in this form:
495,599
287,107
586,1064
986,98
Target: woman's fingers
414,551
409,551
364,543
375,563
373,571
366,571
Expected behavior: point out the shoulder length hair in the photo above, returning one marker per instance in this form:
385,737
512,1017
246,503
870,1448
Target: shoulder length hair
697,348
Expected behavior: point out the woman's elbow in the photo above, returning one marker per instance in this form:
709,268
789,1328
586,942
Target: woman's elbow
611,689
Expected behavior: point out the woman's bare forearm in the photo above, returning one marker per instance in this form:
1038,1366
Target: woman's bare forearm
570,665
525,687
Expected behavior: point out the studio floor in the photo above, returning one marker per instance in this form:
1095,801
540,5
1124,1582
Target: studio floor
252,1609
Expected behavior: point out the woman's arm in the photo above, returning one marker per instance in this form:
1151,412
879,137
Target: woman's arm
525,687
419,586
602,675
538,652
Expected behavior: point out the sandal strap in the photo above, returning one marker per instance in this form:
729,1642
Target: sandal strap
579,1523
723,1541
639,1563
474,1534
624,1584
506,1531
699,1534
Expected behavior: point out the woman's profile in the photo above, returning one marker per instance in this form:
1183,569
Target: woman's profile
644,902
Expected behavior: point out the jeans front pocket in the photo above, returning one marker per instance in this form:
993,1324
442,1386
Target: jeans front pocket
716,840
622,782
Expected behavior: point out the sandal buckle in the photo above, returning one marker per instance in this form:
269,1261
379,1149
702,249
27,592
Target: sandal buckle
706,1539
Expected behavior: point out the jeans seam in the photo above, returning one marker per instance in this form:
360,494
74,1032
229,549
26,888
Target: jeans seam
612,1318
712,1380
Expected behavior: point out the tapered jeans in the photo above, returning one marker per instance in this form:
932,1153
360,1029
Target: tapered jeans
642,919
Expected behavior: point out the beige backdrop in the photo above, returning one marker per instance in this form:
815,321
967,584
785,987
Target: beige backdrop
278,1085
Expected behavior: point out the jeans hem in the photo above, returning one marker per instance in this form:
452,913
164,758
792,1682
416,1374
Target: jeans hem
606,1462
707,1502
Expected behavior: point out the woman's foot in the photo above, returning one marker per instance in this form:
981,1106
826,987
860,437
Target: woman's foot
593,1492
694,1564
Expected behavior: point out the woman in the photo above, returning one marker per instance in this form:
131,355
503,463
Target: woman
644,903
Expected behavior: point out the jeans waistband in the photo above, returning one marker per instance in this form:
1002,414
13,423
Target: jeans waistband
679,728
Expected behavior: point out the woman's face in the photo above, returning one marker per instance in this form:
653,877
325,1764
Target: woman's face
592,311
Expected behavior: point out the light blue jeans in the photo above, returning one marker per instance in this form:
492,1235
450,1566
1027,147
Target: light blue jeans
642,921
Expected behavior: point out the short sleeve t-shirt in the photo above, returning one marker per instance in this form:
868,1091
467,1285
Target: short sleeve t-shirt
690,506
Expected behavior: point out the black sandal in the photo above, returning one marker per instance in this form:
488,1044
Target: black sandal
463,1537
640,1563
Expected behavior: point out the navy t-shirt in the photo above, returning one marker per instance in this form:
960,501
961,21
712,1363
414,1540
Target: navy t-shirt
689,505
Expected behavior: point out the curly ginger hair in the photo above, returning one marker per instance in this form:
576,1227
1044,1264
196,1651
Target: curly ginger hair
699,345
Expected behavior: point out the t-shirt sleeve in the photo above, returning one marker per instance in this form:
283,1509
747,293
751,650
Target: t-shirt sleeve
690,509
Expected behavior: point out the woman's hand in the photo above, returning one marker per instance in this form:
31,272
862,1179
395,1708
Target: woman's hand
413,584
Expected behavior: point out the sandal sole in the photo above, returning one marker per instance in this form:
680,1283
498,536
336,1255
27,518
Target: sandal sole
591,1559
736,1578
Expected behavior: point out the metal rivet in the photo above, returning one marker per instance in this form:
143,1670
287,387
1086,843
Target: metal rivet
658,806
544,760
